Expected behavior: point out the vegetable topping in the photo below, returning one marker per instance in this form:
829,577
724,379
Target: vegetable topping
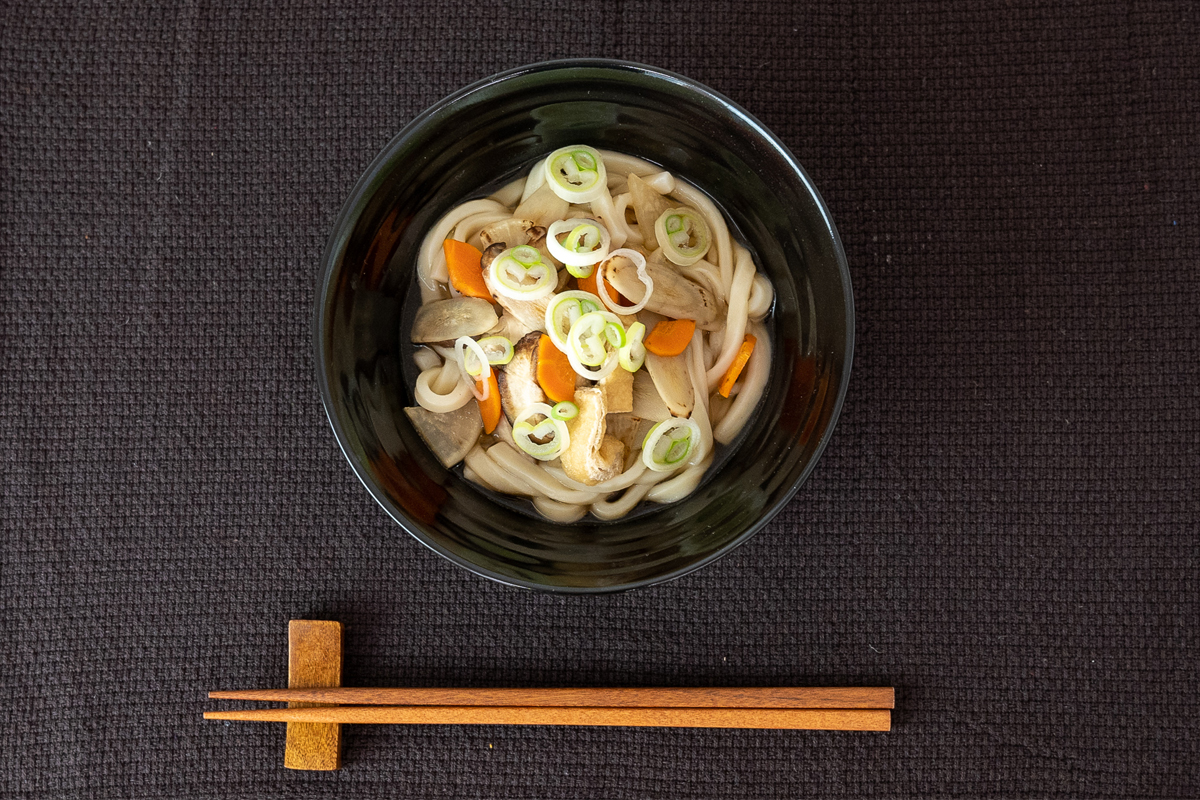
670,337
585,243
669,443
576,174
520,273
466,274
544,440
683,235
739,363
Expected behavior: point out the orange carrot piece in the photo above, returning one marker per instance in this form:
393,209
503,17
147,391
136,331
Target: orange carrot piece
555,374
739,363
588,284
489,409
670,337
466,271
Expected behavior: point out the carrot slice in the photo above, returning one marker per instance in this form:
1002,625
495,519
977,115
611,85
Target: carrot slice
670,337
490,409
466,271
739,363
555,374
588,284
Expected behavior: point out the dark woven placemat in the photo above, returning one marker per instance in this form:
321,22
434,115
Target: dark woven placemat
1005,526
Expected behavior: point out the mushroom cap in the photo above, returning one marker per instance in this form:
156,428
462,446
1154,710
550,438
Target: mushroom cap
517,379
446,320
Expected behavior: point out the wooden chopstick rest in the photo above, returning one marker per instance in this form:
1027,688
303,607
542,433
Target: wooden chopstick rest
314,661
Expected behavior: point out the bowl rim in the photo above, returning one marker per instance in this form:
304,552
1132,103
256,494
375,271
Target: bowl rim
361,194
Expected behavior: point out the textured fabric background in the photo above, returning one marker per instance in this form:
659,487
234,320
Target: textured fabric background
1005,526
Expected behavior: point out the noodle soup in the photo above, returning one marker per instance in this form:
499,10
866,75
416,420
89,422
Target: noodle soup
587,336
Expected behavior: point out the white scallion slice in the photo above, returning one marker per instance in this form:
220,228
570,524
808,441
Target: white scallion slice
566,410
499,350
589,346
633,353
576,173
545,440
564,310
639,261
669,443
474,365
585,243
615,335
520,273
683,235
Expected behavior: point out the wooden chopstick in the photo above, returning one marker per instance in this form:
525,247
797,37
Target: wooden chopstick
861,719
634,697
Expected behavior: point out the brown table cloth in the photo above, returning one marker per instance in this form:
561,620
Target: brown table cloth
1005,526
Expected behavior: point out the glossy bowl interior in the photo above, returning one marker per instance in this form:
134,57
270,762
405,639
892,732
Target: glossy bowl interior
489,133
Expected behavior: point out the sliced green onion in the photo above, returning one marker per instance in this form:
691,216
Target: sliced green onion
615,334
474,365
564,310
581,272
589,336
586,242
633,353
669,443
679,448
544,440
520,273
576,173
639,261
585,239
565,410
499,350
683,235
588,345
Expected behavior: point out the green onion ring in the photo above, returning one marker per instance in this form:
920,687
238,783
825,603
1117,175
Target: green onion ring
633,354
588,345
462,345
524,433
576,173
639,261
499,350
683,235
669,443
566,410
586,243
564,310
511,268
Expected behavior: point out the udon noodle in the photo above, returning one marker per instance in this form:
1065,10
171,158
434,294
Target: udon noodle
588,335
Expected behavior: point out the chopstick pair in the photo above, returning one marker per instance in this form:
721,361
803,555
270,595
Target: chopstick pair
314,733
833,708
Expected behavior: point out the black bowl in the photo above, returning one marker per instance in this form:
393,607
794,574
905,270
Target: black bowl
487,134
